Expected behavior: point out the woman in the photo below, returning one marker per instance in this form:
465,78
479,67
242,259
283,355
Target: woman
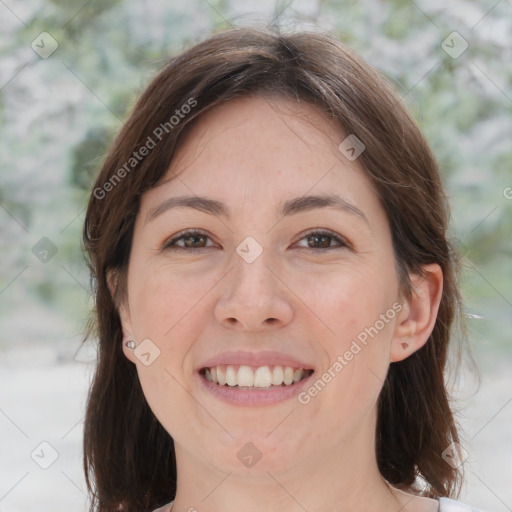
274,291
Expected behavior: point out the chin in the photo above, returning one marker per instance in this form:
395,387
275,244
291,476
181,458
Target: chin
257,455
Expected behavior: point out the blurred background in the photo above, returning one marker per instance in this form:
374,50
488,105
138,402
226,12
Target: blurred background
69,73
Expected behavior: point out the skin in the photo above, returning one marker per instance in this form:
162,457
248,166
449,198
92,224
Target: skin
297,297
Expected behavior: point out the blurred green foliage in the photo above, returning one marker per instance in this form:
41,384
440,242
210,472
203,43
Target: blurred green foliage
59,115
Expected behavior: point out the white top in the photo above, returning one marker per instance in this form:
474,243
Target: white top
445,505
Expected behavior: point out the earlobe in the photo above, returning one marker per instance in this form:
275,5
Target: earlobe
129,344
418,317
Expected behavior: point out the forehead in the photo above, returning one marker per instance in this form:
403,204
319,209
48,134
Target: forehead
264,149
261,132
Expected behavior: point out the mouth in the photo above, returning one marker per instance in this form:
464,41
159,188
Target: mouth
264,378
255,378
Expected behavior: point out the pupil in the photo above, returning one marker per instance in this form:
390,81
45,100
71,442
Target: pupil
193,239
317,239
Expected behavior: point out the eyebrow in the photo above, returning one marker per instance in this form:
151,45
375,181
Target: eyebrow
286,208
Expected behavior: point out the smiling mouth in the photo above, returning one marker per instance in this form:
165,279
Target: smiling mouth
246,377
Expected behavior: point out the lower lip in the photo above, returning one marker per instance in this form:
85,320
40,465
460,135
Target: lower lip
236,396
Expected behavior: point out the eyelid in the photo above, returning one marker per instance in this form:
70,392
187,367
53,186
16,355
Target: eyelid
182,234
342,241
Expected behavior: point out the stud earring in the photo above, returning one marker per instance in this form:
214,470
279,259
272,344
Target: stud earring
130,344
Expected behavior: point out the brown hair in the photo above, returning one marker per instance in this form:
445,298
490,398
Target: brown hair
128,456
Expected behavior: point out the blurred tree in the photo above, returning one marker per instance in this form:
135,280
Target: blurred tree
59,114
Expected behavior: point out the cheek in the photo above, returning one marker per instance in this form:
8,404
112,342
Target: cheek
163,390
166,308
346,300
164,301
357,344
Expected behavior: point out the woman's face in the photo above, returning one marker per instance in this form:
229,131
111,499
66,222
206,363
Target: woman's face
291,265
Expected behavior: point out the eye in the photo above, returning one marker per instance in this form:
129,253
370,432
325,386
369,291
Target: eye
190,240
195,240
322,239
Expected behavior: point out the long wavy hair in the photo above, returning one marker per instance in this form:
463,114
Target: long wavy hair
129,458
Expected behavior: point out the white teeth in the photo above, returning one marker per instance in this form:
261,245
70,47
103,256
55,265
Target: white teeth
245,376
221,377
277,375
288,375
262,377
297,375
231,376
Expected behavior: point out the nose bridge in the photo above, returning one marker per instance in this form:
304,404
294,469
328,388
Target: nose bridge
252,296
252,277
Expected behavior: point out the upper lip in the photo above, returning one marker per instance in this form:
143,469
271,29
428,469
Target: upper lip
262,358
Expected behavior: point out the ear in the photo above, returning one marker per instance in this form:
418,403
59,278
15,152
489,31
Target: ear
123,312
418,316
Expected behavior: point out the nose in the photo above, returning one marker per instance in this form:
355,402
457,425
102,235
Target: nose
253,297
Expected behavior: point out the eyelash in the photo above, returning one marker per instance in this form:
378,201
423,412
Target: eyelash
170,244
